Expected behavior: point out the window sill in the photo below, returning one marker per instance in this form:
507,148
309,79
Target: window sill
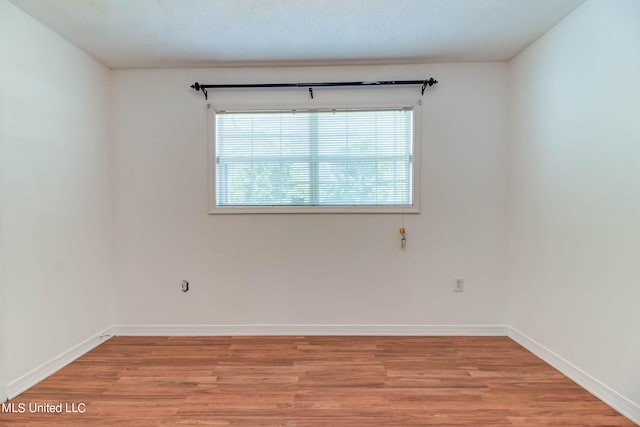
314,210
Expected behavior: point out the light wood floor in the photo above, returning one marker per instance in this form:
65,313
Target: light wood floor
314,381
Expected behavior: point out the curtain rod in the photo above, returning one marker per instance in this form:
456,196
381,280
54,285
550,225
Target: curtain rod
199,87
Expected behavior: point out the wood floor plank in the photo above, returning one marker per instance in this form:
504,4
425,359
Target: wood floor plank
311,382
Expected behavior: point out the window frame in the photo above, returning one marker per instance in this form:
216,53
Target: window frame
315,209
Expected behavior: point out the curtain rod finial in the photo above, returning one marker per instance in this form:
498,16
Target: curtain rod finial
200,88
430,82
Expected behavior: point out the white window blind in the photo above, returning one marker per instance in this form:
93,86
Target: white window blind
348,157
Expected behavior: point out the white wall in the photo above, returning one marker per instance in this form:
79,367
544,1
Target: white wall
55,205
3,363
309,269
575,192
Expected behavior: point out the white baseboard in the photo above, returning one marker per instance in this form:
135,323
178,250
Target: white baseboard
603,392
299,330
38,374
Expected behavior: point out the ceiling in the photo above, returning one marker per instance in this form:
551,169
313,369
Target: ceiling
190,33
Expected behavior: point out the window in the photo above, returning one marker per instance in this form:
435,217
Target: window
337,160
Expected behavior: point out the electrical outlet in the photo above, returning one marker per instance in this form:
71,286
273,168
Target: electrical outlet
185,286
459,285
